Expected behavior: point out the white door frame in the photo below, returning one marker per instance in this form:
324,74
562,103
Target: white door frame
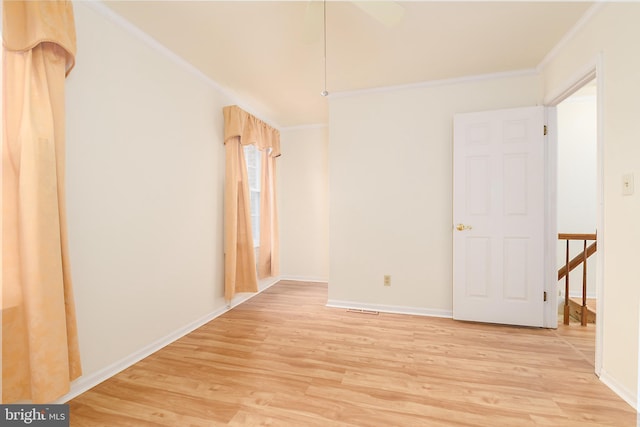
551,219
592,70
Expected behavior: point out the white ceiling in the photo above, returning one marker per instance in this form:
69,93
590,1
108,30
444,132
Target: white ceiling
270,53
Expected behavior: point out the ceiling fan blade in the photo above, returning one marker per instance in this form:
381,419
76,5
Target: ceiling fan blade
389,13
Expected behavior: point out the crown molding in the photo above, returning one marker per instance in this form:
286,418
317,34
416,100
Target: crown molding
584,19
99,7
436,83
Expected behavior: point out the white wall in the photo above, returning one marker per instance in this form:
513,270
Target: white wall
577,164
304,203
145,169
145,181
614,33
390,168
577,182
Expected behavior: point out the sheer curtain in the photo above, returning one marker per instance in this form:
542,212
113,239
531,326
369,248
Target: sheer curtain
241,273
40,355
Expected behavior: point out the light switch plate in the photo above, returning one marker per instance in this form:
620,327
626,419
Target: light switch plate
627,184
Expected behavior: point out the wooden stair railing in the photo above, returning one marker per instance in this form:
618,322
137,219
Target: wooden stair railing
581,258
577,260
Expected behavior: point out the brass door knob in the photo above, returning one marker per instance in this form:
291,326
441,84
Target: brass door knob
462,227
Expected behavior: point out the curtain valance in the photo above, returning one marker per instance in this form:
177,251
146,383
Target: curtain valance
250,129
25,24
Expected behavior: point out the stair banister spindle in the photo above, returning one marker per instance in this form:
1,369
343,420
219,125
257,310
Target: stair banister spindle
583,316
566,287
580,259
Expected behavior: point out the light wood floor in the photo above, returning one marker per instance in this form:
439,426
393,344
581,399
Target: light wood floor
284,359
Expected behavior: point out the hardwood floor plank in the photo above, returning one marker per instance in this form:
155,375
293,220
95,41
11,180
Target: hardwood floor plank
378,407
91,414
285,359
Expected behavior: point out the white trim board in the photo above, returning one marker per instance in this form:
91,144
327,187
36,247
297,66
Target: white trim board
584,19
262,285
99,7
594,69
435,83
314,279
550,311
86,382
395,309
626,395
582,76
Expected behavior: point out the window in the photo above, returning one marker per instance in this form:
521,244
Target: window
254,164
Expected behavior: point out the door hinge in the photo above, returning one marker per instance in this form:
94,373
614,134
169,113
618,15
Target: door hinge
545,130
545,296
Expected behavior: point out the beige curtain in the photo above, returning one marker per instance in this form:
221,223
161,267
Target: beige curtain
268,262
39,338
242,128
239,258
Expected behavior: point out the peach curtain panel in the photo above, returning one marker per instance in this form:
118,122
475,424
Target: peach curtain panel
40,355
268,261
242,128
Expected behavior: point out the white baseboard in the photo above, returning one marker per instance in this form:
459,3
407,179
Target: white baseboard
262,285
396,309
304,278
627,395
87,382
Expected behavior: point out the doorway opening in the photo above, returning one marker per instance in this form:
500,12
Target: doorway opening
577,216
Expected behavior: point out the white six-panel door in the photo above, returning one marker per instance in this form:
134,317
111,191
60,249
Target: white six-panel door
498,214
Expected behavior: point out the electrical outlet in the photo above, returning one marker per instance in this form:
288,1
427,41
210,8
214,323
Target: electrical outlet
627,184
387,280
